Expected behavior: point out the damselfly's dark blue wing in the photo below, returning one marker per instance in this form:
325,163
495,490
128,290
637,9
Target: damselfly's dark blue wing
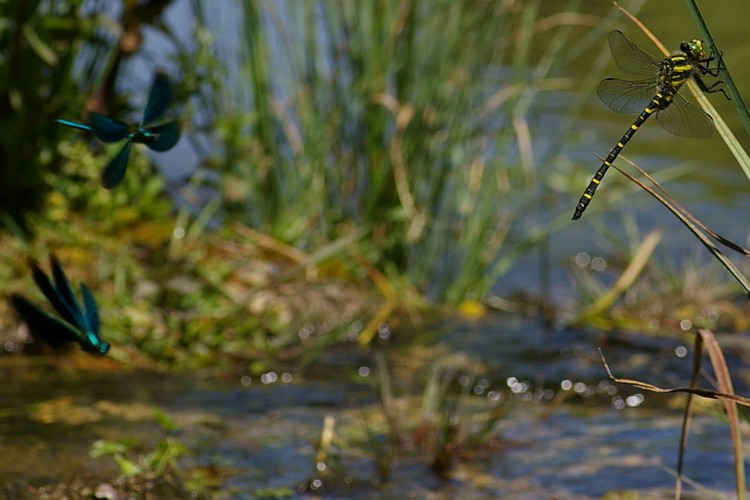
114,172
87,320
106,129
52,294
164,136
94,343
159,99
91,313
42,325
65,293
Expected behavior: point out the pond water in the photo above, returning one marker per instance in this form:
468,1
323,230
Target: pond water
584,442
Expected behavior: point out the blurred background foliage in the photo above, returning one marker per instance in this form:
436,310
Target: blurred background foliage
385,142
385,120
59,59
343,164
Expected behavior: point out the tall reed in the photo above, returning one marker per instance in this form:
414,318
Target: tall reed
410,119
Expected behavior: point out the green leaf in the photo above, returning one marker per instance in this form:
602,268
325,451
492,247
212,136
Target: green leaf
43,50
165,421
103,447
127,466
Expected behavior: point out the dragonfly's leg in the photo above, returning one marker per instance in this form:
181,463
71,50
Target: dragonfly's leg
710,89
715,71
708,70
719,61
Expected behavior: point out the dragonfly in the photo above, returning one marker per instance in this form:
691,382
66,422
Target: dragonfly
655,95
76,323
160,137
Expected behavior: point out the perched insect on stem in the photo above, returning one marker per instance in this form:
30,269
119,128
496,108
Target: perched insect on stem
656,95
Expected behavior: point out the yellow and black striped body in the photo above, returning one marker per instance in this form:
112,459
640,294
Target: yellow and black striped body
673,72
659,101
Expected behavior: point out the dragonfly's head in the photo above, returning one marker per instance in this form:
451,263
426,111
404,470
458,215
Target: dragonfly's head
694,48
100,349
95,345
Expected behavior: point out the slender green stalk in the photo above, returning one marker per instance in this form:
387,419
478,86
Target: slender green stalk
726,80
726,77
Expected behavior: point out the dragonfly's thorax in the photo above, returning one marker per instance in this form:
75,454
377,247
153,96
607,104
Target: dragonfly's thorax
144,136
95,345
674,71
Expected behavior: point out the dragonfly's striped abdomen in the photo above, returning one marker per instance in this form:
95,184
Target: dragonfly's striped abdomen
658,102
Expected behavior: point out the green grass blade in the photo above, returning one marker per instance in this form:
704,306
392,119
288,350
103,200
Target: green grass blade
687,220
731,141
724,381
726,77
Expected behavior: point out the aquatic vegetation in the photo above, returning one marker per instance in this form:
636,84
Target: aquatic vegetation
458,417
358,140
154,464
637,288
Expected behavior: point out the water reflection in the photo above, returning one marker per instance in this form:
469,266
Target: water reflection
563,429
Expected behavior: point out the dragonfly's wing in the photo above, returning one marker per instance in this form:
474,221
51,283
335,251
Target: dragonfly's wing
685,120
167,136
629,57
95,343
625,96
43,325
159,98
65,292
92,313
108,130
77,125
51,293
114,172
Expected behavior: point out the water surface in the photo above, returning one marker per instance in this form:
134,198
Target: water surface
568,444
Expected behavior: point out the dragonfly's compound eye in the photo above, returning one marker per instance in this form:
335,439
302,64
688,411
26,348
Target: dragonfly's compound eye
695,48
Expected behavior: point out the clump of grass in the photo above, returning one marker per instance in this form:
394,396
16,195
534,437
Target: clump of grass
407,120
161,460
639,289
451,422
156,469
172,293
